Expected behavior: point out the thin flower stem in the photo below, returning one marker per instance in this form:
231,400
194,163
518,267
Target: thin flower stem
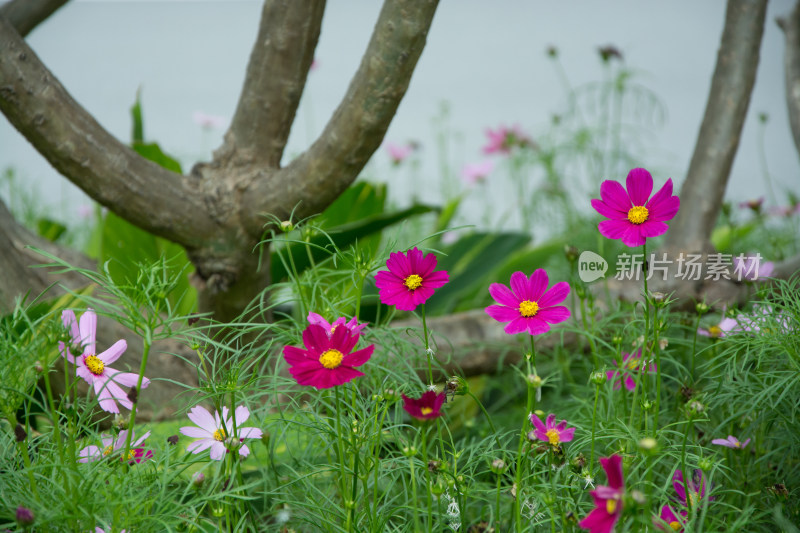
146,342
414,492
296,277
594,420
643,363
424,432
488,419
657,352
340,451
531,405
376,455
427,346
689,425
694,348
497,504
592,345
351,509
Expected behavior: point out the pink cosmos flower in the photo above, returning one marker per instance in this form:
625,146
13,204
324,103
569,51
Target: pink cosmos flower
504,139
731,442
399,153
327,360
207,121
101,530
725,327
93,367
426,407
696,487
633,215
353,326
410,280
473,173
753,205
218,433
630,365
751,268
112,447
528,305
607,499
549,431
668,516
85,211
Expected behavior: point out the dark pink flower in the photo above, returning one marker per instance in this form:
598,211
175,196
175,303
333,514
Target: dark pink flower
353,326
607,499
731,442
549,431
696,487
504,139
674,521
426,407
93,367
630,365
528,305
634,216
327,360
410,280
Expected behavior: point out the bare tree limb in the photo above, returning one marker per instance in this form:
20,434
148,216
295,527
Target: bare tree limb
791,27
79,148
24,15
276,75
731,87
358,125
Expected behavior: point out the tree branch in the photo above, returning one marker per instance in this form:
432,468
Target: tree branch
356,129
791,27
731,86
79,148
24,15
276,75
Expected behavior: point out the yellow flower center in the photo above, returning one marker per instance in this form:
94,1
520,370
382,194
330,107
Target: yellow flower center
426,410
553,436
219,435
108,450
737,444
131,455
632,364
638,214
611,506
331,358
413,282
94,364
675,525
715,331
693,497
528,308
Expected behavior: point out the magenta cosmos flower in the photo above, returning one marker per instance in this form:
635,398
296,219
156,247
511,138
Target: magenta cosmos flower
112,447
607,499
503,139
633,215
93,367
630,367
731,442
327,361
218,433
410,280
692,491
669,518
399,153
353,326
549,431
528,305
426,407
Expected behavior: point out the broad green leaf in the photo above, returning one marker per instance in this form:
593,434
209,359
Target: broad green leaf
153,152
50,229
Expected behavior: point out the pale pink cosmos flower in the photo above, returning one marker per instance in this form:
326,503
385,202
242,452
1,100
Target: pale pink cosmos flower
101,530
504,139
218,433
473,173
731,442
207,121
399,153
113,448
85,211
753,205
93,367
751,268
352,325
725,327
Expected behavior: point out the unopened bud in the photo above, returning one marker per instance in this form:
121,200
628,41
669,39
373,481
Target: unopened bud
38,367
433,466
121,421
233,444
701,308
198,478
457,385
663,343
498,466
598,378
638,497
658,297
616,339
409,451
571,253
578,463
705,464
648,445
695,407
287,226
24,516
535,381
172,440
265,436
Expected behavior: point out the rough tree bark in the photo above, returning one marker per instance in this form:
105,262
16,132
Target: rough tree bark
25,15
217,212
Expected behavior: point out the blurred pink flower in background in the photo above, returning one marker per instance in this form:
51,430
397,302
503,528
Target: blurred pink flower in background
399,152
504,139
314,65
207,121
731,442
473,173
751,268
85,211
753,205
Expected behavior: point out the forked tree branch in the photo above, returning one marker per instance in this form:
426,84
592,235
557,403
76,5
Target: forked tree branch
24,15
73,142
731,87
791,27
356,129
276,75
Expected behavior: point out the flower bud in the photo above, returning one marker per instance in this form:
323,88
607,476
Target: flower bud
287,226
658,297
695,408
409,451
198,478
598,378
498,466
265,436
617,339
172,440
578,463
705,464
571,253
648,445
663,343
457,385
19,433
433,466
121,421
24,516
638,497
701,308
133,395
38,367
534,381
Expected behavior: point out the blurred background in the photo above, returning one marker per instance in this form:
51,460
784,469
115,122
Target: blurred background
534,64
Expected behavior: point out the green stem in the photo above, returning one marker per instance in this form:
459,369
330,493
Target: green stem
657,352
376,455
427,346
488,419
354,499
424,432
414,493
643,366
497,504
689,425
694,349
594,420
340,451
145,353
